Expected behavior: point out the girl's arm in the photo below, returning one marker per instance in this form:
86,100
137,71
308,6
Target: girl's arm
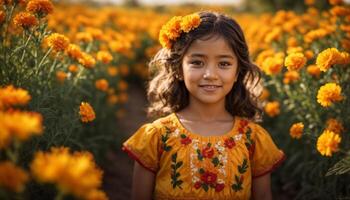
261,188
142,183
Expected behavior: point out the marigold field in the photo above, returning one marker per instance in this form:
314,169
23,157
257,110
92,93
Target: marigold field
67,73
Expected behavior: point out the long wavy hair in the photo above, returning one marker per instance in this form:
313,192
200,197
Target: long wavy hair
166,93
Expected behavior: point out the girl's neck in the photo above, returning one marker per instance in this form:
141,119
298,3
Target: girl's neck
198,111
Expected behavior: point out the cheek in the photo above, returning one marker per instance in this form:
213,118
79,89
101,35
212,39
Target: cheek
192,75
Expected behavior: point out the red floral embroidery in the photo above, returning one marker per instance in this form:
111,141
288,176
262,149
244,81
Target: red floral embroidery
185,139
219,187
208,152
251,149
230,143
243,123
198,185
208,177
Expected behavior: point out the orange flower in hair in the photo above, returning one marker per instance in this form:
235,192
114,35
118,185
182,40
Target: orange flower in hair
175,26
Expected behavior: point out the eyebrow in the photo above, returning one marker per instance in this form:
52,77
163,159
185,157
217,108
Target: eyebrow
218,56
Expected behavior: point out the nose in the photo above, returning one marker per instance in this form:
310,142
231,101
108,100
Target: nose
210,73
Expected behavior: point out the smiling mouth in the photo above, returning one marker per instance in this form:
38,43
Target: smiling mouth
210,86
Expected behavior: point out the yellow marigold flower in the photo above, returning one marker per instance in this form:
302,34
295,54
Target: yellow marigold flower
273,65
190,22
263,55
291,76
313,70
87,60
2,16
292,42
297,49
328,143
12,177
344,58
335,126
327,58
329,93
74,51
96,195
84,37
11,96
274,35
73,68
295,61
101,84
296,130
95,32
21,125
122,85
74,173
104,56
61,76
40,7
87,113
25,20
272,108
112,71
58,42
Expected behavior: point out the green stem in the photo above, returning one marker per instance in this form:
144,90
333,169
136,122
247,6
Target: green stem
25,46
42,60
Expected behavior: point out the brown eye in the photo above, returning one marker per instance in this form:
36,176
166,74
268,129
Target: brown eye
196,63
224,64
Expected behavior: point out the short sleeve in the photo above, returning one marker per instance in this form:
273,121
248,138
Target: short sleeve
266,156
143,145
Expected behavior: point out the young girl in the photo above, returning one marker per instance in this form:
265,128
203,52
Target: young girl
206,145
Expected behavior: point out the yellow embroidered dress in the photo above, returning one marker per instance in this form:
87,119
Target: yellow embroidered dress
191,166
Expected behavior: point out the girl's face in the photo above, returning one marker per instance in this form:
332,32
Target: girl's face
209,70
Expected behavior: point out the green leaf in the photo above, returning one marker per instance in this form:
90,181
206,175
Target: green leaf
167,148
178,164
341,167
173,157
201,171
215,161
183,136
205,187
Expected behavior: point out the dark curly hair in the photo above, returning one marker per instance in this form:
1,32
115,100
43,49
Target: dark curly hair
167,93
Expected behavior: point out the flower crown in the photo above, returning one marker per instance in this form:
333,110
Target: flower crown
175,26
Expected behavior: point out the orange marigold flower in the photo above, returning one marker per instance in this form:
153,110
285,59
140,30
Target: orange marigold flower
96,195
309,54
295,61
344,58
264,94
58,41
329,93
328,143
104,56
84,37
272,108
87,60
335,2
73,68
102,84
11,96
55,167
190,22
315,34
87,113
21,125
313,70
273,65
112,99
297,49
61,76
327,58
291,76
74,51
112,71
170,31
274,35
335,126
296,130
2,16
122,85
25,20
340,11
12,177
309,2
40,7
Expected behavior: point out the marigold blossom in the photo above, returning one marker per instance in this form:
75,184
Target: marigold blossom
87,113
25,20
327,143
329,93
57,41
296,130
12,177
272,108
295,61
40,7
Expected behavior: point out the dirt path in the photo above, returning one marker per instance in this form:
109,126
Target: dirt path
118,174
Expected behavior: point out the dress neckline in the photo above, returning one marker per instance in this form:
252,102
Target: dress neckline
227,134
